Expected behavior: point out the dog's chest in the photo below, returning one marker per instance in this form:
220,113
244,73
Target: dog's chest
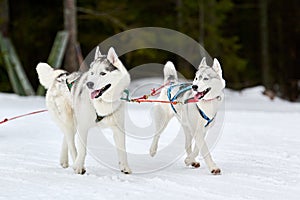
200,112
105,108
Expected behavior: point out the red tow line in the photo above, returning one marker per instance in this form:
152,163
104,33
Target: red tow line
142,99
154,101
19,116
154,92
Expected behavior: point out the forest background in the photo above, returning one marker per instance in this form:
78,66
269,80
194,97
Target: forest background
255,40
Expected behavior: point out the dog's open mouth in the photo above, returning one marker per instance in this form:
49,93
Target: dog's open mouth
200,95
97,93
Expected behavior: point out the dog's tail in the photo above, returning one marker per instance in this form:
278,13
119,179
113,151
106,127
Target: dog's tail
47,74
170,73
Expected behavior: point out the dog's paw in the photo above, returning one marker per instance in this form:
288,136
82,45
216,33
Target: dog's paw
80,170
195,164
216,171
153,151
126,171
64,164
191,162
64,161
124,168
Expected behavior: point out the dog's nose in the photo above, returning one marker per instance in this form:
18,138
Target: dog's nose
90,85
195,87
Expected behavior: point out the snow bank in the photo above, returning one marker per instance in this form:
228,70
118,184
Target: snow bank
258,154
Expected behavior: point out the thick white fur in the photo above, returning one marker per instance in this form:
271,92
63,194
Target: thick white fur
109,105
59,104
188,115
76,110
47,74
169,70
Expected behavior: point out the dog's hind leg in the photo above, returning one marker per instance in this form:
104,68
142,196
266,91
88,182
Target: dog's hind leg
70,138
64,160
68,143
162,119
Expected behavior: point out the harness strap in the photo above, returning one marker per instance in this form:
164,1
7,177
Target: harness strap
204,116
187,86
62,74
99,118
70,85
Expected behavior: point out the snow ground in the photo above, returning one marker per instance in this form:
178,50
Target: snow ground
258,153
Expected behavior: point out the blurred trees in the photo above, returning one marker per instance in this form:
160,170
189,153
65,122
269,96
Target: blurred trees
4,17
264,40
70,25
283,33
234,31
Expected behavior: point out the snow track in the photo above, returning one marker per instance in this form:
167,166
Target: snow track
259,154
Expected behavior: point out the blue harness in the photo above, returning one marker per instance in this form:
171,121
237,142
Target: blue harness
184,87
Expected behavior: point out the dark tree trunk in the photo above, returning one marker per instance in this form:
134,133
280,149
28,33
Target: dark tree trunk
4,17
180,63
264,40
201,22
70,24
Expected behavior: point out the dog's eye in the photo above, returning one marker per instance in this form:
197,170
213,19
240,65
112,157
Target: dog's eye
196,79
205,79
102,73
92,73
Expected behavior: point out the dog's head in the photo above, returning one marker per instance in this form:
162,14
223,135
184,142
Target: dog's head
107,77
208,82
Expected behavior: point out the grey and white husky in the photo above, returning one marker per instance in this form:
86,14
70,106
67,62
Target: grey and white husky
80,101
205,95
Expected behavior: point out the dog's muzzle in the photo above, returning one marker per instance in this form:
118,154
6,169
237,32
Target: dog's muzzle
200,95
195,87
90,85
97,93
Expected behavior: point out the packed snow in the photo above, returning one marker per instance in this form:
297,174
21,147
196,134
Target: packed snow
258,152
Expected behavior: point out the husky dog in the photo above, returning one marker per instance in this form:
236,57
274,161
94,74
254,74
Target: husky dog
205,96
90,99
59,104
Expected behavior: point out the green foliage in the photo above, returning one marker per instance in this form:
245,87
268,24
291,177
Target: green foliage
33,26
4,82
217,41
228,29
98,20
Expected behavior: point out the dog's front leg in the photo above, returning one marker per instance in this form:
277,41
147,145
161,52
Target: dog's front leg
191,155
200,142
119,137
82,144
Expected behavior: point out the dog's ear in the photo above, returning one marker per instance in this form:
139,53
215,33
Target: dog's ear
217,67
97,53
112,56
203,62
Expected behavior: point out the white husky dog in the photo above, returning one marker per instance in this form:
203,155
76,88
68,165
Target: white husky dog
205,96
83,100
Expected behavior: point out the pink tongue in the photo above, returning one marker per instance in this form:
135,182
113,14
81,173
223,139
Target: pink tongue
94,93
198,95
